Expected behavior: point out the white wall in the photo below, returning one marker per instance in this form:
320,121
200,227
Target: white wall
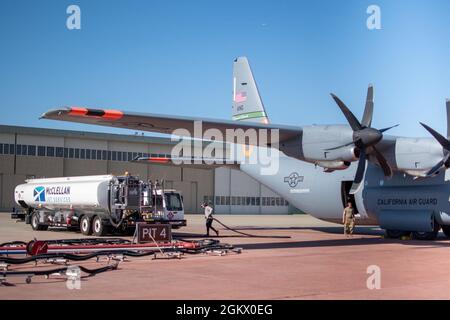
231,183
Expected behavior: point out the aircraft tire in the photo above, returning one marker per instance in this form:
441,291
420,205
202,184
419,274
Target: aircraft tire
446,230
396,234
427,235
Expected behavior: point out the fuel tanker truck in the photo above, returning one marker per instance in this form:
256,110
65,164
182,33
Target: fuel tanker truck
98,204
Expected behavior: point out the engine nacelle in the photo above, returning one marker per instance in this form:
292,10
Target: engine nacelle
330,166
346,154
319,144
416,156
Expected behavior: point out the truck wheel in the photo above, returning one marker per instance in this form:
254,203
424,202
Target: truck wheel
85,225
98,227
35,223
446,230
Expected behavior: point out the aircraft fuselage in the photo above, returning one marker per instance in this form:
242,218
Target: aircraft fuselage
379,201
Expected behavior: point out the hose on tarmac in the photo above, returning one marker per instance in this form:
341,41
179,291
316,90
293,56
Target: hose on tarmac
248,234
13,243
90,272
202,246
71,257
87,241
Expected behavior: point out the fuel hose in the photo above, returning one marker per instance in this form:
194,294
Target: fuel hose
248,234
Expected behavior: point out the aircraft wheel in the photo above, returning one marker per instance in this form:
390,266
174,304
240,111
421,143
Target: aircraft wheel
85,225
98,227
35,223
446,230
427,235
396,234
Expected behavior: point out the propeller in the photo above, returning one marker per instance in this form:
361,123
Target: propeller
445,144
365,138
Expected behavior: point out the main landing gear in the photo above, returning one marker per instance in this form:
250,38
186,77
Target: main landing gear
418,235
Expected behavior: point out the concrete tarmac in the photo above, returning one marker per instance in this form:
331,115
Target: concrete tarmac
317,262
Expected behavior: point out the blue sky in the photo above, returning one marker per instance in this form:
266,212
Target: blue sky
175,57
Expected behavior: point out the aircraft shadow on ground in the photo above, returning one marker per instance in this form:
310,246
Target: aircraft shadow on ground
341,243
180,235
366,230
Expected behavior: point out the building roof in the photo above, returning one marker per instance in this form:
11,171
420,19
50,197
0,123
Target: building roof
85,135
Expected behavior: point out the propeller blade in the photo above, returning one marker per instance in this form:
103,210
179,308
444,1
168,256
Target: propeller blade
436,168
359,172
447,104
344,145
352,120
386,129
442,140
383,163
439,165
368,110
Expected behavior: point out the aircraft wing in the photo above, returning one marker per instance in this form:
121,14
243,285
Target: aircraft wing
197,163
161,123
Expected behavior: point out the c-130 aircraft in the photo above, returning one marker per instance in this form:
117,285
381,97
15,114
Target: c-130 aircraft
398,183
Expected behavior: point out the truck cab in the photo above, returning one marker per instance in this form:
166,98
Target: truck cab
168,208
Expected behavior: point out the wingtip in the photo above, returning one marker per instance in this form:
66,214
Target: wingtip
54,112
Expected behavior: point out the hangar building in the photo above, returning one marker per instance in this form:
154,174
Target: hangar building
27,153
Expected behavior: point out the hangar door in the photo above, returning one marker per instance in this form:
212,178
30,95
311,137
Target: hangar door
194,191
189,190
2,205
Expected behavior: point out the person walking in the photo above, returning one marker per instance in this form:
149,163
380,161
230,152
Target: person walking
209,218
348,219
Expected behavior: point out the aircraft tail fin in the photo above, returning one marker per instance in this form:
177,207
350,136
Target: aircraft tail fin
247,103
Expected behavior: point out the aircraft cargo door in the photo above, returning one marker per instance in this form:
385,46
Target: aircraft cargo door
346,196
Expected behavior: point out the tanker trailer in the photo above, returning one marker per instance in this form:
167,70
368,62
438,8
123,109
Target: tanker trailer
95,204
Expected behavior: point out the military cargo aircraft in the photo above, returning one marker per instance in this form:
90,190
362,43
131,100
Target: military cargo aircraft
398,183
